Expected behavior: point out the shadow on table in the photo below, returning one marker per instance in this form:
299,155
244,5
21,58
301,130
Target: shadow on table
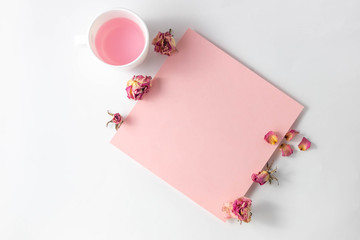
266,212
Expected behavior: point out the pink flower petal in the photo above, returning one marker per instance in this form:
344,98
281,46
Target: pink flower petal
304,144
286,150
129,92
271,137
291,134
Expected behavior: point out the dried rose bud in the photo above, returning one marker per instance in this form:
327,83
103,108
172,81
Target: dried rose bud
164,43
138,86
265,176
240,209
117,120
261,177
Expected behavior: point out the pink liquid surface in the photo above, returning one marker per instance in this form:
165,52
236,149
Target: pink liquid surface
119,41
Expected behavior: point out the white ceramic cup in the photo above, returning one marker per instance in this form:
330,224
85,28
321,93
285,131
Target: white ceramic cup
119,13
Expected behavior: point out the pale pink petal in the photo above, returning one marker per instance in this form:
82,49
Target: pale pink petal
291,134
164,43
304,144
271,137
286,150
129,92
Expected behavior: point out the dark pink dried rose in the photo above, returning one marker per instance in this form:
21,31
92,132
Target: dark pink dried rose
164,43
261,177
138,86
265,176
242,209
117,120
239,209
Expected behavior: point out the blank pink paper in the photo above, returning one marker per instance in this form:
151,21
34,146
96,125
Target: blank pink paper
201,127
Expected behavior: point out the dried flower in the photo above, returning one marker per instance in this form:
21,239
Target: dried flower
117,120
291,134
304,144
271,137
137,86
164,43
261,178
227,209
239,209
264,176
286,150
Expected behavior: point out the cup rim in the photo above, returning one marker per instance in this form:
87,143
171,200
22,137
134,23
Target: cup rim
145,32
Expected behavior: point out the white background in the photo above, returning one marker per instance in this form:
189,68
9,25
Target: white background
61,179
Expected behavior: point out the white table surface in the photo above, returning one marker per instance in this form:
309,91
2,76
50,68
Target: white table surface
61,179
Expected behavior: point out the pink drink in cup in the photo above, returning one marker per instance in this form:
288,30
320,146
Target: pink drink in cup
119,38
119,41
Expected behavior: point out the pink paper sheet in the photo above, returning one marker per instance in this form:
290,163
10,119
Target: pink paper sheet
201,127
